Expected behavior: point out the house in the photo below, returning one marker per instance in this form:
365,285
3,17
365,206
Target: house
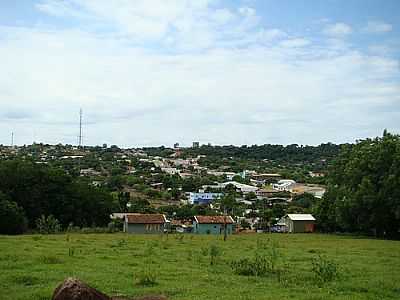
171,171
297,223
144,223
203,198
181,226
212,224
244,188
284,185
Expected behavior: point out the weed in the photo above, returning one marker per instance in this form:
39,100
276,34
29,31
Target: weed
26,280
204,251
324,269
147,278
215,251
71,252
50,260
258,266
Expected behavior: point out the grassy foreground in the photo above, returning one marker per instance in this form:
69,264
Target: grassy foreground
119,264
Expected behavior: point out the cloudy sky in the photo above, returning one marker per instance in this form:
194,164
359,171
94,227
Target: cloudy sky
152,72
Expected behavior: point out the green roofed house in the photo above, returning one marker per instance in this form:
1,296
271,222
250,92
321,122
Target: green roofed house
212,224
144,223
297,223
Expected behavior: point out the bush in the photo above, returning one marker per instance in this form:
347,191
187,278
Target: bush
324,269
251,267
12,217
215,251
262,264
48,225
148,278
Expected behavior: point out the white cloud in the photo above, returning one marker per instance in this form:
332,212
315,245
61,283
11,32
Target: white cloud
378,27
295,43
337,30
218,77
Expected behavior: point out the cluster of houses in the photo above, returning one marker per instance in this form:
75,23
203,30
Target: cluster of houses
137,223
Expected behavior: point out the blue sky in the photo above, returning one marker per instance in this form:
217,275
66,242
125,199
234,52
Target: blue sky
152,72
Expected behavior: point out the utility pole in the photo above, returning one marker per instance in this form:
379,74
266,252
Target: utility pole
12,139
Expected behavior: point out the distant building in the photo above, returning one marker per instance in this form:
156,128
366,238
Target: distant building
176,145
144,223
316,174
244,188
284,185
196,144
203,198
171,171
297,223
213,224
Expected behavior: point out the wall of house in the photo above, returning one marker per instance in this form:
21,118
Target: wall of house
144,228
300,226
211,228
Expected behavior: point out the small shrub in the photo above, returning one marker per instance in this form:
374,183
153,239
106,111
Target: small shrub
324,269
148,278
204,251
47,225
215,251
71,252
251,267
26,280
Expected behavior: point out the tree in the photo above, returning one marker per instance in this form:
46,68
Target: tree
305,200
363,192
12,217
227,203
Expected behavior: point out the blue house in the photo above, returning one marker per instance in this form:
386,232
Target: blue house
203,198
213,224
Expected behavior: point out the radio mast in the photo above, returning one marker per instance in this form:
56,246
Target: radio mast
80,128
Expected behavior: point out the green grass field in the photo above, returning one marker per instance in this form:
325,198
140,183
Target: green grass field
31,266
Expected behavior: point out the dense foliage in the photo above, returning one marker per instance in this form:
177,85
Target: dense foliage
34,190
363,192
291,153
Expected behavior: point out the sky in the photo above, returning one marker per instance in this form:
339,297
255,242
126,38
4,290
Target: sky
156,72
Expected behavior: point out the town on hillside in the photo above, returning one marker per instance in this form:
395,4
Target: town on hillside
198,189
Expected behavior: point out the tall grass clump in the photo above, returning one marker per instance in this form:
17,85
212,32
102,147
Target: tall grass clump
324,269
147,278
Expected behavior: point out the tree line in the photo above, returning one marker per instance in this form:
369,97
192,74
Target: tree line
363,192
29,191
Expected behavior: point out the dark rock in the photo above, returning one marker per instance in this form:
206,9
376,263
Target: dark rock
152,298
74,289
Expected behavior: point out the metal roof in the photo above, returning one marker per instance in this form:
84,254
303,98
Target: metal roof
301,217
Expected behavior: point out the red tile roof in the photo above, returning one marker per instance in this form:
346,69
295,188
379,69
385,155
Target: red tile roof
146,219
213,219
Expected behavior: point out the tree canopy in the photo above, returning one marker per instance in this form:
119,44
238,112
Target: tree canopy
34,190
363,193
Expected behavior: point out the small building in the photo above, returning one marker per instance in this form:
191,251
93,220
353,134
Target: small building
284,185
213,224
144,223
203,198
297,223
244,188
